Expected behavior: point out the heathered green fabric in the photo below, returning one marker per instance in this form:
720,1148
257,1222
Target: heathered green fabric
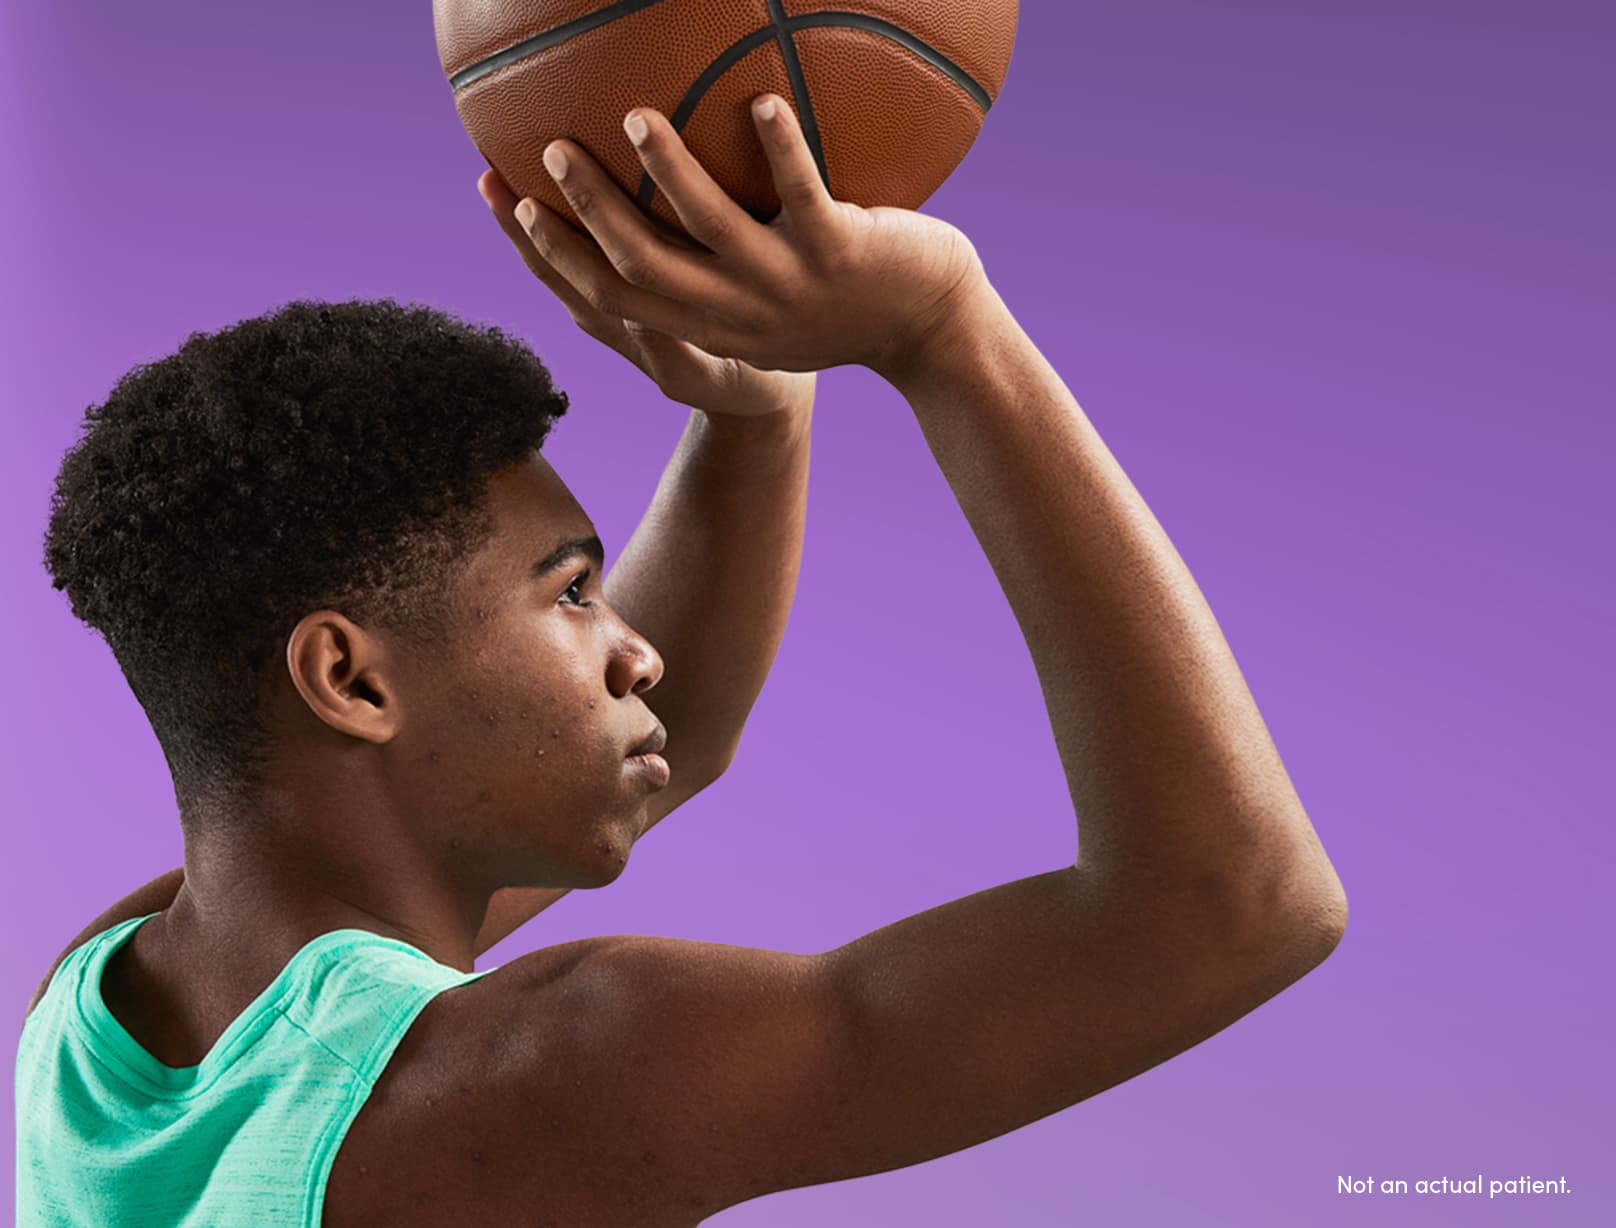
108,1135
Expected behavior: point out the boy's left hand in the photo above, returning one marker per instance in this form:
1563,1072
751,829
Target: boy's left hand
685,373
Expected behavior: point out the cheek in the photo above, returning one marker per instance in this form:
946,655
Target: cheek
517,722
507,713
521,710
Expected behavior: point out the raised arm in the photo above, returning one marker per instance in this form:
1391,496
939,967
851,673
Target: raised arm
1175,781
1196,892
1197,889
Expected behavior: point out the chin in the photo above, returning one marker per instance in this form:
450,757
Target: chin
611,851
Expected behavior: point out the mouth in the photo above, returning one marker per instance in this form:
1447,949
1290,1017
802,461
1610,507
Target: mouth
653,767
651,744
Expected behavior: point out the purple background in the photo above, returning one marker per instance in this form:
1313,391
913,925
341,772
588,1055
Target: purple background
1329,283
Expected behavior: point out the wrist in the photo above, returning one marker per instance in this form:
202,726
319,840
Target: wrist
951,334
750,441
784,395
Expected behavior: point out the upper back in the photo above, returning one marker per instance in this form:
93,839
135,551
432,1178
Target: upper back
107,1133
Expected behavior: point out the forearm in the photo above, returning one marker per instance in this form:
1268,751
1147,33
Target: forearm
1171,769
710,572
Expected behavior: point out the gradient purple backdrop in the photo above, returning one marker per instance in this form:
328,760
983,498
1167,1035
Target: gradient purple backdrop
1329,281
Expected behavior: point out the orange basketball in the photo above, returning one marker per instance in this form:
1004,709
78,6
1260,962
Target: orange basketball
890,94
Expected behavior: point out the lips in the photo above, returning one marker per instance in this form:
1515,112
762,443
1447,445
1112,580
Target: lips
651,744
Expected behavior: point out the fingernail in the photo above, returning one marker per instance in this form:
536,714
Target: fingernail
525,213
555,161
636,128
765,109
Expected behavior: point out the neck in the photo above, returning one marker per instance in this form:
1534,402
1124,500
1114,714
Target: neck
266,888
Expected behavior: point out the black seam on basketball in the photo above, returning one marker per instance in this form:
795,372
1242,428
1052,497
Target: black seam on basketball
897,34
859,21
647,189
687,105
547,38
780,29
799,89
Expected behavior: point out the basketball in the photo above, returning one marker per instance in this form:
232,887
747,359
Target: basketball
890,94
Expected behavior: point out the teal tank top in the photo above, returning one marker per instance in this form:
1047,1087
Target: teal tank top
107,1134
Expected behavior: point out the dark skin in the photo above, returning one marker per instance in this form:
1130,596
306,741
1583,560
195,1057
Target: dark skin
416,784
826,283
631,1080
709,573
708,576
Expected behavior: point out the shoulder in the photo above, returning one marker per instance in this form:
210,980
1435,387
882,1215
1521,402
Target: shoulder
94,930
485,1106
615,1080
44,985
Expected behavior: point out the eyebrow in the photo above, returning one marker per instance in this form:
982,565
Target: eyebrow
570,548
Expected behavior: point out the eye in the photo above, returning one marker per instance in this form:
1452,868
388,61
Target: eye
577,585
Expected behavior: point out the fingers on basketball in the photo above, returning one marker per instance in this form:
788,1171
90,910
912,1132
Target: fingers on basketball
796,175
710,218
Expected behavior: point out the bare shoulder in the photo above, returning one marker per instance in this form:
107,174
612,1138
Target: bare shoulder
492,1106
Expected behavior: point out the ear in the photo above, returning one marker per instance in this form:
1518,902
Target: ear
341,672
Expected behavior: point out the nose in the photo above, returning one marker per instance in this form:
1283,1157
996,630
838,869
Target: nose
635,667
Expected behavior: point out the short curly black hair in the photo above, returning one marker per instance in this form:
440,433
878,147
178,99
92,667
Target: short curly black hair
319,455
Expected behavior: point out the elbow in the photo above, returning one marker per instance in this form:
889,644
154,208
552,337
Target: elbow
1316,928
1333,911
1283,915
1315,901
1302,927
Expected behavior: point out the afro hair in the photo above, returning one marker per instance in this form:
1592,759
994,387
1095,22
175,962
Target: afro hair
323,455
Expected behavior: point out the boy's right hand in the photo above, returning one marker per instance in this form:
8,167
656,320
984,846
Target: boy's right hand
824,284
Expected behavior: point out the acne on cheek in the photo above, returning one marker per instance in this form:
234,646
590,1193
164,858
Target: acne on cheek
538,751
489,717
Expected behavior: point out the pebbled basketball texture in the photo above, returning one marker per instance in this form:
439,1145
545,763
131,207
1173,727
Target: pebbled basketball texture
890,93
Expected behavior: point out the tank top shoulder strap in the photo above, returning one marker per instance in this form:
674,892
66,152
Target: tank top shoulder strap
357,993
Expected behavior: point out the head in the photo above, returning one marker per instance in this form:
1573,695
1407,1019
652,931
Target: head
310,541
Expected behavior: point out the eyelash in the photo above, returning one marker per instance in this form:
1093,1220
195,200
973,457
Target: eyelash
578,582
